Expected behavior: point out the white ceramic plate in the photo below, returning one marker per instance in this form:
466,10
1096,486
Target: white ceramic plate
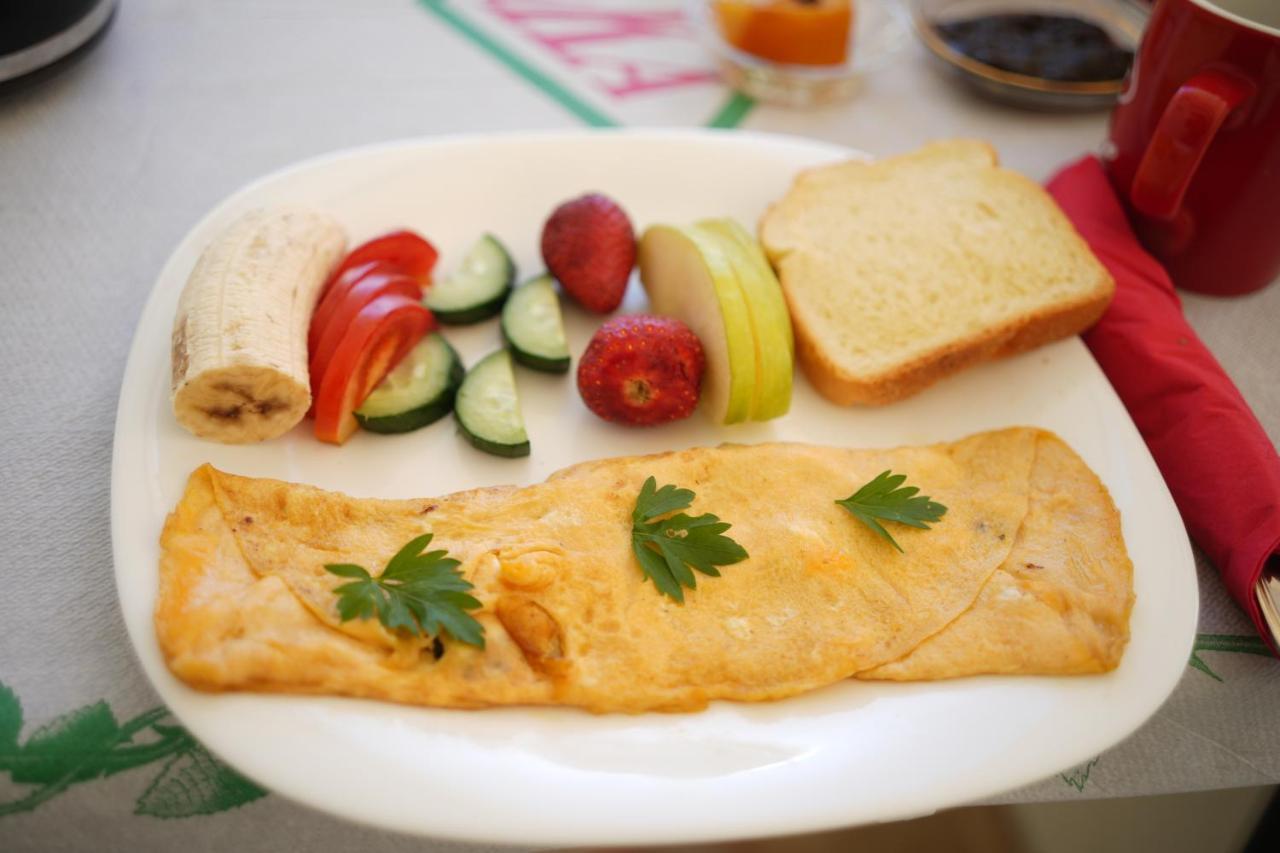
854,752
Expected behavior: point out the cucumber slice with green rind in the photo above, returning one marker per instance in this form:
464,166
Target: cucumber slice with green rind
533,327
418,391
488,408
476,290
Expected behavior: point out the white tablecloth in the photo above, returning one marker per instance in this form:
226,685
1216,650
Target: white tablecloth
105,167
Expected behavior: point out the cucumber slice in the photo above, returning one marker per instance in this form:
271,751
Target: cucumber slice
533,327
488,409
477,289
418,391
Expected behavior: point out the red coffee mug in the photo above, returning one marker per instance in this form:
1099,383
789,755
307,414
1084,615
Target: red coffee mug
1195,143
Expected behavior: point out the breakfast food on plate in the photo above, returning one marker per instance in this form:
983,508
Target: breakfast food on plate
642,371
369,318
380,333
589,246
1060,600
488,408
404,251
239,348
901,271
773,344
540,595
477,289
715,278
797,32
418,391
340,305
686,275
533,327
401,261
374,365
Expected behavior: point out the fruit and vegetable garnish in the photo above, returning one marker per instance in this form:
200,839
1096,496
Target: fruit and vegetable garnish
420,378
418,593
377,357
589,246
714,277
369,317
642,370
423,593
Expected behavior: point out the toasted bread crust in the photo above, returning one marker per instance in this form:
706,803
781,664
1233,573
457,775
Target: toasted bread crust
821,363
1024,333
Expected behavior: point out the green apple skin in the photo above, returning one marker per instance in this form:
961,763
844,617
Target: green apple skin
687,275
770,319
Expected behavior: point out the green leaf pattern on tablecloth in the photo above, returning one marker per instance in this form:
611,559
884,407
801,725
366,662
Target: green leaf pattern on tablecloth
10,724
195,783
89,742
1247,644
73,744
1197,662
1234,643
1078,777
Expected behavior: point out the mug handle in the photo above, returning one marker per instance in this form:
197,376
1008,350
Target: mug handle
1190,121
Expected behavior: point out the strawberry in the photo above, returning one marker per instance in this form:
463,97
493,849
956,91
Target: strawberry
589,246
642,370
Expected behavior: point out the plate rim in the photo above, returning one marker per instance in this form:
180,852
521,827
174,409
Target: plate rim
168,687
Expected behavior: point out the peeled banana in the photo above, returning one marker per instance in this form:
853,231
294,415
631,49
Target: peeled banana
239,352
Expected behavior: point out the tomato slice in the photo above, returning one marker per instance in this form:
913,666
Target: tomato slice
343,310
405,251
377,338
334,294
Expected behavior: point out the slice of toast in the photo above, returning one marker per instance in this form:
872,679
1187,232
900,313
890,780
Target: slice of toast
901,271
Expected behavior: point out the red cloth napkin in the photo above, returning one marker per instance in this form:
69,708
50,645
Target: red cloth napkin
1220,466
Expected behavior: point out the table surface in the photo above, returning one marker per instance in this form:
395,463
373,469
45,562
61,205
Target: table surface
104,167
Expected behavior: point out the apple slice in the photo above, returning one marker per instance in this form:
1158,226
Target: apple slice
770,320
687,275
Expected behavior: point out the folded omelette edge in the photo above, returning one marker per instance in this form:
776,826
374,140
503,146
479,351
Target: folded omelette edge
246,604
1060,602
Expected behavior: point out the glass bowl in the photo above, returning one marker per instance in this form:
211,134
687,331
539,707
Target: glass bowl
1123,20
881,28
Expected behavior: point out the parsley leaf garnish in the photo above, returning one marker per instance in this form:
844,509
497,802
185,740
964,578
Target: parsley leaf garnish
883,499
668,546
418,593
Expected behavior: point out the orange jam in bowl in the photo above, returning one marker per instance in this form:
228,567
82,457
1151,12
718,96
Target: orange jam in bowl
794,32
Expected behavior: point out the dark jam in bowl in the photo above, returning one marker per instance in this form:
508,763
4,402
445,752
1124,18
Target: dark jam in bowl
1051,47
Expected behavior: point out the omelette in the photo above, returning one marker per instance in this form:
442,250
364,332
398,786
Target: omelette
1026,573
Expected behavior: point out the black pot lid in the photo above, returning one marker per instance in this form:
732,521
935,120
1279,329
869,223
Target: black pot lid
38,33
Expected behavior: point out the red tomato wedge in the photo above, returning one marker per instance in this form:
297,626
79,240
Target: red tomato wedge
345,306
337,287
405,251
377,338
337,296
